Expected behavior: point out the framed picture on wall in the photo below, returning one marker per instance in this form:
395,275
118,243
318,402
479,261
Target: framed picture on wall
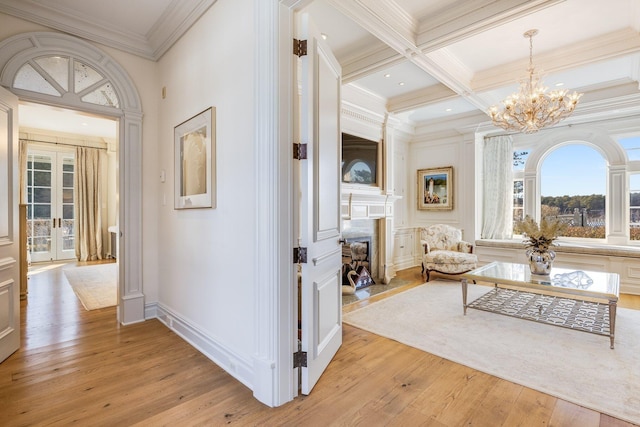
435,188
195,161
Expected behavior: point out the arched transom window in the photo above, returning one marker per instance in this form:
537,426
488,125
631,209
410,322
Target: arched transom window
64,76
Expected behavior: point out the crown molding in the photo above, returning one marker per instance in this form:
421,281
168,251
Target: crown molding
354,99
175,21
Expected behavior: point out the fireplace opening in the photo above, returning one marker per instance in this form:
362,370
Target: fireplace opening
356,262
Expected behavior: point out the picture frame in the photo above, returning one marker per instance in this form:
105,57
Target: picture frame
195,161
435,188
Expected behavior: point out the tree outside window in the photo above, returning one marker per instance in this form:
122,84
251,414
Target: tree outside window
573,188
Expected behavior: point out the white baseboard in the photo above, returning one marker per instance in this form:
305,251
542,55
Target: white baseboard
404,264
235,365
629,288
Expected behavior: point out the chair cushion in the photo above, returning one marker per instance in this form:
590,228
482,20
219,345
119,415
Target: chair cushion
450,261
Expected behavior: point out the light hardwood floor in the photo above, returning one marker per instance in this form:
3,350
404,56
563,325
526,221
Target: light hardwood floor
80,367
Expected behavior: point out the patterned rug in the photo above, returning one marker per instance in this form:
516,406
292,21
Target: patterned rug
94,285
576,366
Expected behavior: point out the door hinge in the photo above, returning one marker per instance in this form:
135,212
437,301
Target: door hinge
299,255
299,151
300,359
299,47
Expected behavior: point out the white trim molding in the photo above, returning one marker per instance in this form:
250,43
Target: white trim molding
176,19
18,50
237,366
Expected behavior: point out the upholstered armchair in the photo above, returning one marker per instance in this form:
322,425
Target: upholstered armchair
445,251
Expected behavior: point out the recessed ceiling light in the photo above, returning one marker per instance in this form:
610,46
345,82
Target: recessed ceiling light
448,109
559,84
401,83
387,75
85,124
324,36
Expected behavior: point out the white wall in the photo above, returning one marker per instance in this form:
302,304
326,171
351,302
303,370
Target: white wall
206,256
198,264
457,151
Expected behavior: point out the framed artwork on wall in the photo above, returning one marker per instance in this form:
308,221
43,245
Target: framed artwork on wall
195,160
435,188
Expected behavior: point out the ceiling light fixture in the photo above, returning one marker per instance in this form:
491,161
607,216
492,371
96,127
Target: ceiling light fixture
532,109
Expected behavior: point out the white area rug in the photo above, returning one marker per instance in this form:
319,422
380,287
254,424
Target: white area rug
95,285
575,366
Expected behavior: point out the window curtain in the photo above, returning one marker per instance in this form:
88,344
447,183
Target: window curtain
498,188
88,197
22,161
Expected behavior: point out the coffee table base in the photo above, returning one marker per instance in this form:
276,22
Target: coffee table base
593,317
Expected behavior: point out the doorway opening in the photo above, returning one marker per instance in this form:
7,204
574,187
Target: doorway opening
54,203
56,69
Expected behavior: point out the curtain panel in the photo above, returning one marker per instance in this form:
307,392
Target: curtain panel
88,202
497,203
22,161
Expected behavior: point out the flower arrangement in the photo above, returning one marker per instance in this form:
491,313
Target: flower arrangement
540,238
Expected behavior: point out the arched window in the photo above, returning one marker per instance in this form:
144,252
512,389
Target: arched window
631,146
519,160
573,187
64,76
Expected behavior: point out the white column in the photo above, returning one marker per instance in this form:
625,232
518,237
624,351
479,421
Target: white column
617,219
131,304
387,267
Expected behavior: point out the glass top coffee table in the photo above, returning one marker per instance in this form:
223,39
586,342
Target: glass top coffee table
575,299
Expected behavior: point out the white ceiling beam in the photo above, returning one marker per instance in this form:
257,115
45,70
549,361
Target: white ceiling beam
467,18
393,26
368,63
419,98
609,46
386,20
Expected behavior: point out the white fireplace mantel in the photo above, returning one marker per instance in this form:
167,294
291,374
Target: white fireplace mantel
359,202
366,203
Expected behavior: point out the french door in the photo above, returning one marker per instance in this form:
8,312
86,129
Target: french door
50,205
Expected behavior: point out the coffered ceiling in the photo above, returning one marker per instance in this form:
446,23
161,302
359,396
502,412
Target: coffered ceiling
428,61
448,58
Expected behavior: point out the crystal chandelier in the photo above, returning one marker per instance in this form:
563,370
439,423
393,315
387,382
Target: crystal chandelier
532,109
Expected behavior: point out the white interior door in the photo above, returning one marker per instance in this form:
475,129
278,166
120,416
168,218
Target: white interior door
319,127
9,228
50,205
